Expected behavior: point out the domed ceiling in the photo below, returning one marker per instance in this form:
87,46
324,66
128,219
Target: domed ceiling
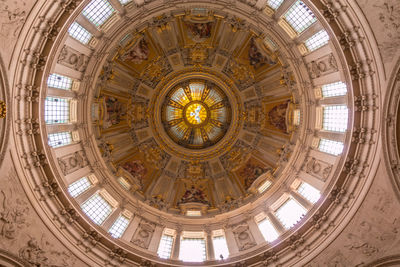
193,113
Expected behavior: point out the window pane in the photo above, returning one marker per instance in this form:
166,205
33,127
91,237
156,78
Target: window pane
335,118
79,33
300,17
59,139
275,3
192,249
220,247
334,89
59,81
98,11
309,192
331,147
78,187
119,227
318,40
97,208
56,110
268,230
165,247
290,213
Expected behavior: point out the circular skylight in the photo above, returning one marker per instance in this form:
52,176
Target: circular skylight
196,114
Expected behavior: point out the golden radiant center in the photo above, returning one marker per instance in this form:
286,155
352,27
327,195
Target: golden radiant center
196,113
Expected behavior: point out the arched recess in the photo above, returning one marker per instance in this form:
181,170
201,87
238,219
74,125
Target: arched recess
391,128
393,260
8,259
4,122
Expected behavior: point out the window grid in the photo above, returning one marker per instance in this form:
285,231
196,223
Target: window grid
300,17
309,192
192,249
165,247
79,33
335,118
318,40
78,187
59,81
220,247
97,208
334,89
56,110
274,4
268,230
59,139
330,147
98,11
119,226
290,213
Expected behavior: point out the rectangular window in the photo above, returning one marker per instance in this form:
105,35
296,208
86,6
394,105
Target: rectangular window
165,247
318,40
79,33
309,192
220,247
192,249
97,208
78,187
330,147
334,89
59,81
274,4
290,213
264,186
335,118
300,17
268,230
119,226
59,139
98,11
56,110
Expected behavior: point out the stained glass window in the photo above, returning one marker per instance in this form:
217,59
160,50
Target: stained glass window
268,230
309,192
98,11
300,17
78,187
165,247
334,89
59,81
56,110
318,40
97,208
59,139
290,213
119,227
335,118
331,147
79,33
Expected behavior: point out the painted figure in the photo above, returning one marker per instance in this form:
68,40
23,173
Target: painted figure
138,53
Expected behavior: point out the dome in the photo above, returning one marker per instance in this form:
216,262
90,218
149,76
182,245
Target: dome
179,133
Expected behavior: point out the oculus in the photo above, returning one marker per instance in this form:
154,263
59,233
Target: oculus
196,114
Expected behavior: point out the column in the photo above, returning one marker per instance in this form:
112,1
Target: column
87,194
230,241
177,245
275,222
155,240
111,219
299,198
210,245
130,230
258,237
